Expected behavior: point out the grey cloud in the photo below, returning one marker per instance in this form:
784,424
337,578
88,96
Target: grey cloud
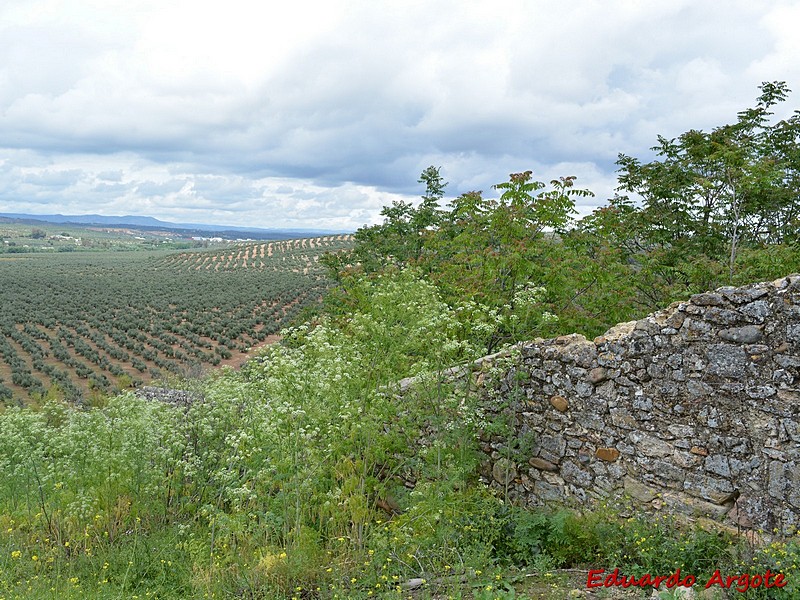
162,188
52,178
348,120
110,176
117,189
229,187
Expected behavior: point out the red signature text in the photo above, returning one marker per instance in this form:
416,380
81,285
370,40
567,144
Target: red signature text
741,583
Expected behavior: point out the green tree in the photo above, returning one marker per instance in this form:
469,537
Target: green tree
487,249
400,239
486,255
429,213
710,193
402,236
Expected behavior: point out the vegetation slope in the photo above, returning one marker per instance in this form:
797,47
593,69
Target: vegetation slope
306,475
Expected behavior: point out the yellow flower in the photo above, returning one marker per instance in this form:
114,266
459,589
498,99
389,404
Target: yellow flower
16,554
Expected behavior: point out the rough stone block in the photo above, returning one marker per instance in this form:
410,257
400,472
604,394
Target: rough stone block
726,360
744,295
542,464
749,334
639,491
622,418
553,444
757,311
722,316
580,352
694,507
707,299
649,445
548,492
574,474
607,454
718,465
713,489
504,471
598,375
559,403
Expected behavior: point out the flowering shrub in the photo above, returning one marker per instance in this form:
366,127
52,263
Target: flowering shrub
275,473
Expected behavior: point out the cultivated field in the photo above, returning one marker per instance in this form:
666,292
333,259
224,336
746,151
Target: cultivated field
80,323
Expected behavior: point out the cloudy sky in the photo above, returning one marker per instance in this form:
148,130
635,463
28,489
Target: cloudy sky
318,113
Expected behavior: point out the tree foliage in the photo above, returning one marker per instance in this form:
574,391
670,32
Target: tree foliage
484,254
713,208
709,194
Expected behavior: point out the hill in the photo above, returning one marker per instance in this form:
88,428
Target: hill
152,224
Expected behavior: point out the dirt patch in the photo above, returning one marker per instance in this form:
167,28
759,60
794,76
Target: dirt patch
237,359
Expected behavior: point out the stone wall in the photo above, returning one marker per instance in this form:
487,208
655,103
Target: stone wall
694,410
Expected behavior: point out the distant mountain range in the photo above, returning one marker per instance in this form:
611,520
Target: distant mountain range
186,229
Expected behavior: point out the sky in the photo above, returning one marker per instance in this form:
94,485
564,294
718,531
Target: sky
316,114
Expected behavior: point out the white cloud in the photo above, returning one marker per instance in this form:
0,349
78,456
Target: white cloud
318,113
